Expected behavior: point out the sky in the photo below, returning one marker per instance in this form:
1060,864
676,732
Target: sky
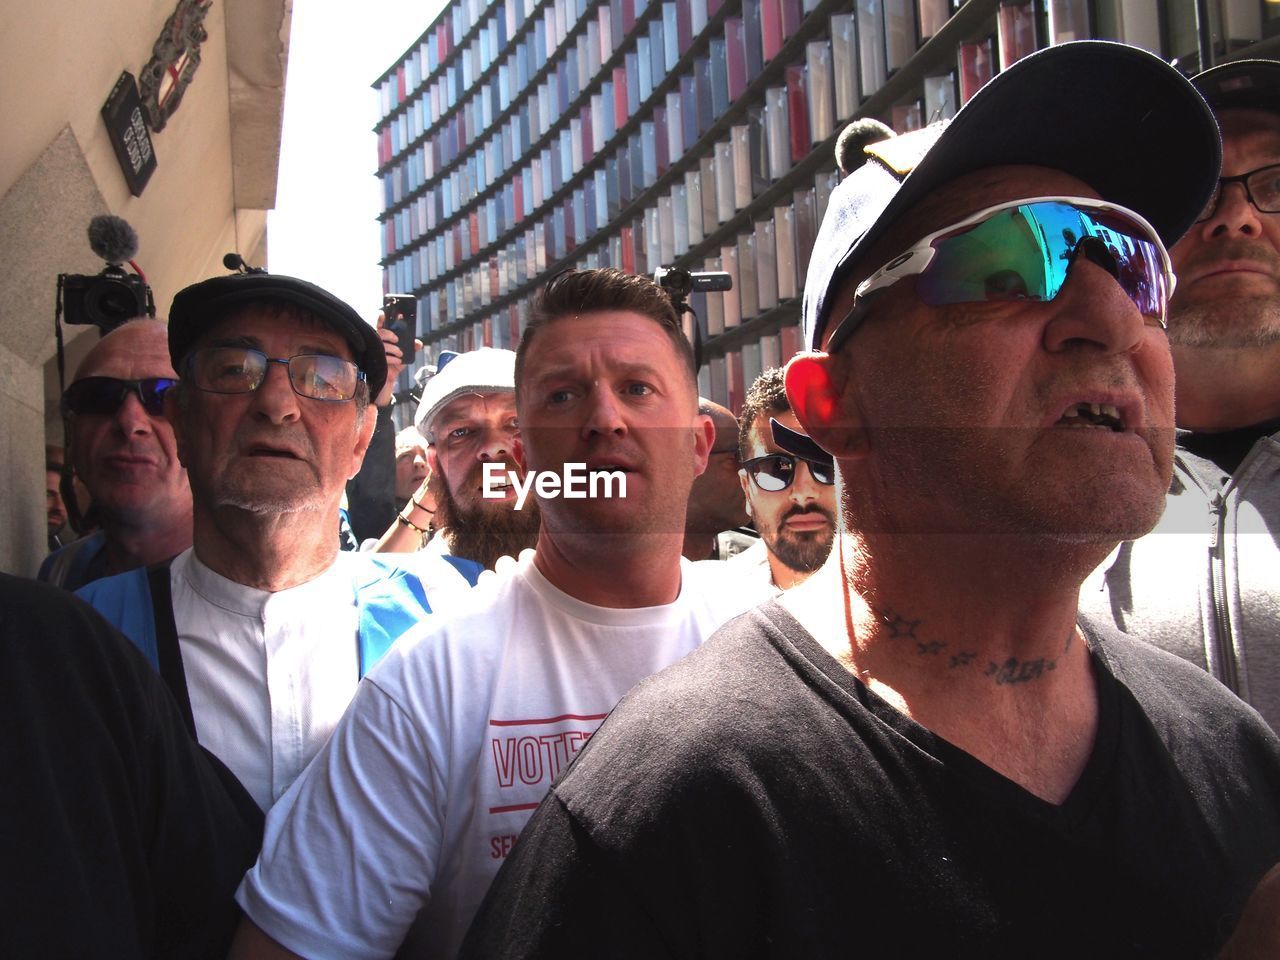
324,226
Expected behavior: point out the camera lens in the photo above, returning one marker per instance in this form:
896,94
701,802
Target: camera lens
109,302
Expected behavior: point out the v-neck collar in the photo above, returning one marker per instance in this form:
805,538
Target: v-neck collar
848,693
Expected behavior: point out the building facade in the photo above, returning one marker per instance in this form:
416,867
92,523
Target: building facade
522,137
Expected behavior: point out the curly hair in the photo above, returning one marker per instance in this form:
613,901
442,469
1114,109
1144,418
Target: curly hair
767,395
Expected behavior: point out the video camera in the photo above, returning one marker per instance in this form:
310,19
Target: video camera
678,283
109,298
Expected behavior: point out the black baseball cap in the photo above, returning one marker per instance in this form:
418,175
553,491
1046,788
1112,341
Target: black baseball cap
200,305
1118,118
1241,83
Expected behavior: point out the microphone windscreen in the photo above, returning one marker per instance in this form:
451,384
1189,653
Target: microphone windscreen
112,239
857,135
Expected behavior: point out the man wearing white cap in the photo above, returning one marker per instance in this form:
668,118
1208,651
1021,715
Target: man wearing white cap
468,416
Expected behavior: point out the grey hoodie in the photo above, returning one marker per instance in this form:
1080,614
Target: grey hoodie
1205,583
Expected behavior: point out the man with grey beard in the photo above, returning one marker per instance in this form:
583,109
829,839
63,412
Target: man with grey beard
1209,594
263,629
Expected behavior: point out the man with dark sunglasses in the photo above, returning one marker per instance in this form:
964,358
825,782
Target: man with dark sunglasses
921,751
122,447
1205,584
263,629
790,499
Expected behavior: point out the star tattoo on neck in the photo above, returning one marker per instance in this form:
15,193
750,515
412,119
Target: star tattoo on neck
899,626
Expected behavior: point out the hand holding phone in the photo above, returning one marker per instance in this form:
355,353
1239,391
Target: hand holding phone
401,315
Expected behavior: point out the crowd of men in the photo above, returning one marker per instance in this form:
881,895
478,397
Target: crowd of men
959,638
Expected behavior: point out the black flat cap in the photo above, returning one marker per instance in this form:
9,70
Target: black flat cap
202,304
1242,83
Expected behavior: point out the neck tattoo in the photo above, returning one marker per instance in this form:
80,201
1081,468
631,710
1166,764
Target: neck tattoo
902,633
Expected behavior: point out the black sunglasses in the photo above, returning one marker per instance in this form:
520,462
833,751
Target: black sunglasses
103,396
776,471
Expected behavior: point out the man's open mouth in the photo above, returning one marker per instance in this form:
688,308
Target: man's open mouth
1092,416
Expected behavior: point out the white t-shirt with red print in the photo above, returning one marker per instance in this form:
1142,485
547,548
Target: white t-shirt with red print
447,748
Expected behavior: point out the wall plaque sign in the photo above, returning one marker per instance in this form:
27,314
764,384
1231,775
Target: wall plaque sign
127,129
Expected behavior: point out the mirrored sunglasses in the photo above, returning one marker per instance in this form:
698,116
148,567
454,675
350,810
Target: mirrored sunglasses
243,369
103,396
1023,250
776,471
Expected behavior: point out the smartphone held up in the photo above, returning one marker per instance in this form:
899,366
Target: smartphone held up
401,313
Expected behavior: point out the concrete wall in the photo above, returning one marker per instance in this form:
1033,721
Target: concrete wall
215,179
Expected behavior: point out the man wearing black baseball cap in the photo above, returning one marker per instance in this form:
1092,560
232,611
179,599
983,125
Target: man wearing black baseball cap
263,629
919,751
1204,584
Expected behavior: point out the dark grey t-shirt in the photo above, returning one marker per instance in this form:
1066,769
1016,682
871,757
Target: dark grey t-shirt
756,800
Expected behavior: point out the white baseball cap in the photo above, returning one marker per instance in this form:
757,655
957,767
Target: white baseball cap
486,370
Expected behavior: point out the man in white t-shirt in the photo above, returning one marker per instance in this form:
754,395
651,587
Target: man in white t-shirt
263,629
458,733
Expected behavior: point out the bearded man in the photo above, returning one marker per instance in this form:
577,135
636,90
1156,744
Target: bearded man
468,416
791,499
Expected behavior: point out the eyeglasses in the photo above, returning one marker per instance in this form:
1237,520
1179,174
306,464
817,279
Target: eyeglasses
1023,251
242,370
1261,186
103,396
776,471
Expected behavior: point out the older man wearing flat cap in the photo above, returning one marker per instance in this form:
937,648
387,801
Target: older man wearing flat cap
263,628
921,751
